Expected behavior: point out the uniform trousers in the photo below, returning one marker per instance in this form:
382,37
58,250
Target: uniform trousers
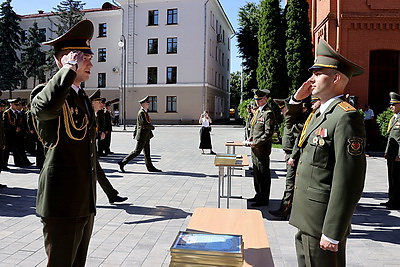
140,145
261,174
394,181
105,184
67,240
309,253
289,187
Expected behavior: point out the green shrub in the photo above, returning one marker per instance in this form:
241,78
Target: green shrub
243,108
383,121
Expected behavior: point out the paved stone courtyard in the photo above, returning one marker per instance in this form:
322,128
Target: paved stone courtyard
141,231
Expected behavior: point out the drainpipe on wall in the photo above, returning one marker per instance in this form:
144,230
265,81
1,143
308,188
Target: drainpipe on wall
339,24
205,58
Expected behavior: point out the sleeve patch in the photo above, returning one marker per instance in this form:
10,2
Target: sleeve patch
355,146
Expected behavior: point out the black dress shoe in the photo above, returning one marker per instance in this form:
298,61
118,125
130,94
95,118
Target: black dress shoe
3,185
154,170
121,166
253,199
260,204
393,207
280,215
213,153
117,199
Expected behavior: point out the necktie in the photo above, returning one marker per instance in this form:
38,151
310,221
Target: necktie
83,97
390,124
254,119
303,132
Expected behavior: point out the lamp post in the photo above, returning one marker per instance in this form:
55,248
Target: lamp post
122,44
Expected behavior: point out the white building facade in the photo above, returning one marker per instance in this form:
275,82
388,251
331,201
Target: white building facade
175,51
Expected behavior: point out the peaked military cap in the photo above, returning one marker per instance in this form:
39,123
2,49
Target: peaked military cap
96,96
327,57
280,102
145,99
76,38
3,103
14,100
260,93
394,98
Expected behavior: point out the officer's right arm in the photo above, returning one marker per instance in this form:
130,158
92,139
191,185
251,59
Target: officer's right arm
47,100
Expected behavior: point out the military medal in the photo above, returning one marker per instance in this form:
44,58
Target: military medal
321,142
315,140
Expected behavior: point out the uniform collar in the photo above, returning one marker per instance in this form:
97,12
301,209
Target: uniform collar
325,105
76,88
262,107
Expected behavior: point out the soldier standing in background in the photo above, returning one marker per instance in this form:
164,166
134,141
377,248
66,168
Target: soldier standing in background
2,108
392,154
260,141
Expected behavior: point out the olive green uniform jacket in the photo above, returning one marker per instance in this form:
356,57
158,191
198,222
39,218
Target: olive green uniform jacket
144,128
393,142
331,172
67,181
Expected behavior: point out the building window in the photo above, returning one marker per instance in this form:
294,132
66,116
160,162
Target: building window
152,75
153,104
42,35
172,45
102,55
171,103
153,17
172,16
171,74
152,46
103,30
101,80
24,36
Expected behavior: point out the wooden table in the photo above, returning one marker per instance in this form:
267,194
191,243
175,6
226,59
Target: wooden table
248,223
232,145
229,161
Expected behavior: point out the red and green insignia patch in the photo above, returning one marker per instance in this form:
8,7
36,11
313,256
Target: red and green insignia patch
355,146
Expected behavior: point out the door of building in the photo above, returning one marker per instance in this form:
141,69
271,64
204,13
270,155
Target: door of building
383,78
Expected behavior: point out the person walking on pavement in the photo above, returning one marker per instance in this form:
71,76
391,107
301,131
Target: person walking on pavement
2,108
331,170
260,141
109,190
392,154
143,133
66,197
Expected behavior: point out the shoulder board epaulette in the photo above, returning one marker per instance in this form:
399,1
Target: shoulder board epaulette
346,106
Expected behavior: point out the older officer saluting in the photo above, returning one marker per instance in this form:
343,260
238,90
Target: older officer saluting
66,198
331,169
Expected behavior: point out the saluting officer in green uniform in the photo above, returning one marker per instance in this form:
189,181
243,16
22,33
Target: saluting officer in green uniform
66,198
392,154
294,118
262,129
331,170
143,133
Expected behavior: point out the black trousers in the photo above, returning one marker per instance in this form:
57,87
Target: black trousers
67,240
394,181
261,174
140,145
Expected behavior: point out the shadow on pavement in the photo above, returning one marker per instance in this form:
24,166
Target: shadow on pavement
379,224
17,202
160,213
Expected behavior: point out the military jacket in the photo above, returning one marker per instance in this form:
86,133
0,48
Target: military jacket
261,132
66,127
12,121
107,120
294,120
2,138
144,127
101,121
331,172
393,143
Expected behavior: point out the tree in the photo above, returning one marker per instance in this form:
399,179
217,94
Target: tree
33,59
271,70
10,42
235,86
68,13
247,42
299,56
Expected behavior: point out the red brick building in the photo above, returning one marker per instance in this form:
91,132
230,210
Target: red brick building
368,33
